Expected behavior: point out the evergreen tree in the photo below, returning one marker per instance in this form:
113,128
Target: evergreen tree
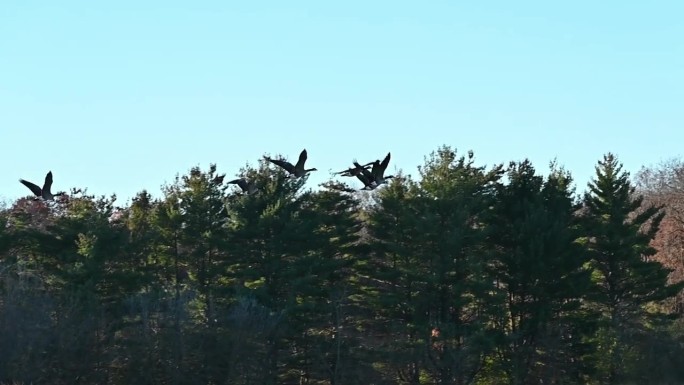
144,315
395,277
626,279
192,221
172,259
540,271
320,330
452,229
203,233
275,239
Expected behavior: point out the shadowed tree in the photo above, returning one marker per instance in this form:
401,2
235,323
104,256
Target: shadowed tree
540,271
395,286
273,238
191,220
203,234
321,315
452,214
626,278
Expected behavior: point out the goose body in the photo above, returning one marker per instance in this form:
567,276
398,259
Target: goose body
44,192
378,171
218,179
367,184
365,176
297,170
248,187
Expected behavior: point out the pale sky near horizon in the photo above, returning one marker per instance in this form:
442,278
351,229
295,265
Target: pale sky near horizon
121,96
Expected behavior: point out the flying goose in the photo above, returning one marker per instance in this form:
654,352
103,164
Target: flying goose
367,183
218,179
365,176
248,187
296,171
379,169
45,191
353,171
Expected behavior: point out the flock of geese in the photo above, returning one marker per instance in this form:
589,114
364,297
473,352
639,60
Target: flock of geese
371,179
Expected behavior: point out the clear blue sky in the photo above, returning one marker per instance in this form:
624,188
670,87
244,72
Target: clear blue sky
120,96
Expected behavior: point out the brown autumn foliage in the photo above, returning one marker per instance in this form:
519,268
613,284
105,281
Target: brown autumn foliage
663,184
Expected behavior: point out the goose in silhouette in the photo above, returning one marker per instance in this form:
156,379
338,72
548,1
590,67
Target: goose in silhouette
378,171
365,176
353,171
296,171
218,179
367,183
248,187
42,192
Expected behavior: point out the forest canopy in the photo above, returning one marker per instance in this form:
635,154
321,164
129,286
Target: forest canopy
465,275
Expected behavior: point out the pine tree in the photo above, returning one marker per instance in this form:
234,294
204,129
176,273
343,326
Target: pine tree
321,332
452,214
81,255
540,272
274,265
203,235
395,279
192,220
619,230
143,239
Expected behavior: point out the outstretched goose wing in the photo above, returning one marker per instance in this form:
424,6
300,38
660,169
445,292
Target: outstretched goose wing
281,163
240,182
48,182
302,159
34,189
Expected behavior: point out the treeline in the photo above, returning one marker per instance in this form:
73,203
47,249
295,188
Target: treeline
470,275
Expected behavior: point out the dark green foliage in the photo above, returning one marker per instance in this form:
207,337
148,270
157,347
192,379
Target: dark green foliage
626,280
453,213
394,283
461,277
540,271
